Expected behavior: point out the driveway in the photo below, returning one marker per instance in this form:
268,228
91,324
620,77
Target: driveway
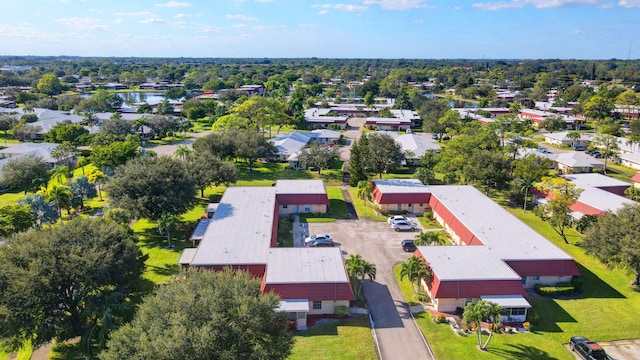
397,334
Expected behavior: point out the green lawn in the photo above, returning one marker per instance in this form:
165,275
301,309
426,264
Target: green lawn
337,206
345,339
266,174
607,309
10,198
364,210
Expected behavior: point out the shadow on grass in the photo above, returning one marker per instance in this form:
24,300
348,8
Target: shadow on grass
331,327
550,314
594,287
338,208
521,352
166,270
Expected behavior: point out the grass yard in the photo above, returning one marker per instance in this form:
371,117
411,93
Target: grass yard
285,232
362,209
344,339
10,198
607,309
266,174
337,206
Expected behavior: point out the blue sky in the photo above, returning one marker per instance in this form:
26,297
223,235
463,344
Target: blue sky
505,29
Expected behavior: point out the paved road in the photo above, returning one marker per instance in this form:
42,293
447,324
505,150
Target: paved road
397,334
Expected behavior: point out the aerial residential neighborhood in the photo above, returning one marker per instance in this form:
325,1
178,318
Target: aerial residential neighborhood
365,179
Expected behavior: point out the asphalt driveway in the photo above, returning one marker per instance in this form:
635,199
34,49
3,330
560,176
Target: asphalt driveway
397,334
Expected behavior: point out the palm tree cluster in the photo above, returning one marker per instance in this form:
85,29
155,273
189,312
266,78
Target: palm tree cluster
358,269
416,269
482,311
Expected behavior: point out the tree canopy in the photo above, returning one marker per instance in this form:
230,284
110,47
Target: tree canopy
25,173
149,186
206,316
52,278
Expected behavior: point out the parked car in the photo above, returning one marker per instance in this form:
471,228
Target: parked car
577,147
403,225
394,218
321,243
543,150
408,245
596,154
588,349
315,237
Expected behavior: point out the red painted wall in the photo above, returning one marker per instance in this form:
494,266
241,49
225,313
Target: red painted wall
302,199
544,267
312,291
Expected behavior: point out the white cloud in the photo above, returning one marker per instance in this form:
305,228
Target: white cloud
350,8
240,17
397,4
174,4
181,16
152,20
240,26
457,8
539,4
84,24
118,21
138,13
323,12
629,3
208,29
307,26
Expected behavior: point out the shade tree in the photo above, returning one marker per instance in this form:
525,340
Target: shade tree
318,156
19,173
561,195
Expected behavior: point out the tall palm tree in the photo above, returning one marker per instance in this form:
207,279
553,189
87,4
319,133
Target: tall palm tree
60,171
370,270
355,268
415,269
96,176
574,136
81,162
61,195
166,223
182,151
430,238
482,311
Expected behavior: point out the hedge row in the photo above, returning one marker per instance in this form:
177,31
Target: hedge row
557,289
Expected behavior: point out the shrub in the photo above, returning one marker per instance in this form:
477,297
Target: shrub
342,311
577,282
526,325
558,289
440,318
532,316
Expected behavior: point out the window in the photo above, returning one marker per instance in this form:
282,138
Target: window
307,209
317,305
421,205
285,206
518,311
535,278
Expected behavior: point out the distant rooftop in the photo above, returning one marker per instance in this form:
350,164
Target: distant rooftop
305,265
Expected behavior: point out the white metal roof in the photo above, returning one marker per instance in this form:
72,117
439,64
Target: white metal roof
305,265
505,235
417,144
473,262
293,305
593,194
198,233
240,230
590,180
187,256
401,186
300,187
508,301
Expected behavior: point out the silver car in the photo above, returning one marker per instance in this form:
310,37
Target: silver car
404,225
312,238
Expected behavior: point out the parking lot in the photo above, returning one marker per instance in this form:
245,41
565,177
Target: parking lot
397,335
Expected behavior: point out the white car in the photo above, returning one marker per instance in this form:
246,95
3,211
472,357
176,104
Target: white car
317,237
404,225
395,218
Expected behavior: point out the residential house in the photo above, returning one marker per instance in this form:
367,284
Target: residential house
502,258
242,234
251,90
288,145
573,162
41,150
631,160
563,139
319,118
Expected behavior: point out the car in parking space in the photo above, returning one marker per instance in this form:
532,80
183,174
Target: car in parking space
321,243
315,237
543,150
408,245
587,349
394,218
404,225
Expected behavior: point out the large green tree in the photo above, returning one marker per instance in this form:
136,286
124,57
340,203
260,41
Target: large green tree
20,173
557,210
614,239
487,168
252,146
15,219
49,84
318,156
114,154
206,316
384,155
7,122
207,169
65,132
357,164
149,186
530,170
52,278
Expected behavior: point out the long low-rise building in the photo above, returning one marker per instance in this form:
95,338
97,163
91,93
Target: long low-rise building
242,234
498,256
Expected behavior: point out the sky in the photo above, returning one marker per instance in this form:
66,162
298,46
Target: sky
411,29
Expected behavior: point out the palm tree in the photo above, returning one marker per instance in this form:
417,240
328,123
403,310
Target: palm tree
430,238
89,118
415,269
61,195
182,151
482,311
574,136
81,162
166,222
358,269
96,176
60,171
364,190
369,269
